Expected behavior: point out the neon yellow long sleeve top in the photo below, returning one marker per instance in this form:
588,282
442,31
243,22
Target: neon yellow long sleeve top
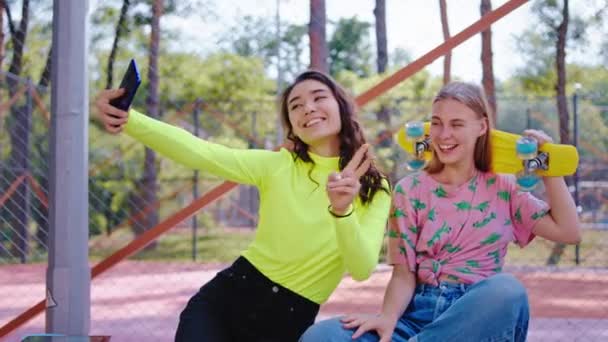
297,244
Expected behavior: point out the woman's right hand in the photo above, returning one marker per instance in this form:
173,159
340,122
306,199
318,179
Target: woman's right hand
113,119
343,187
383,326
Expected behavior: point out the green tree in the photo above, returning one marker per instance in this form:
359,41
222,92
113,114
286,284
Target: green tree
350,47
257,37
557,30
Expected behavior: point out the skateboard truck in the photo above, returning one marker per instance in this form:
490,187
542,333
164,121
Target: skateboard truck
414,132
527,151
540,162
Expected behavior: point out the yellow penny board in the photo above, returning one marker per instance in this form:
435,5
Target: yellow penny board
563,159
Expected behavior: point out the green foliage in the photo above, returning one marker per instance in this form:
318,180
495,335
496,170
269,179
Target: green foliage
538,76
257,37
350,47
399,58
538,45
594,89
235,82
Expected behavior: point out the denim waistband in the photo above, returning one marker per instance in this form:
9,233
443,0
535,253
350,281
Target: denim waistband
443,286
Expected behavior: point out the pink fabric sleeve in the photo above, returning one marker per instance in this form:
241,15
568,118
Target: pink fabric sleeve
526,211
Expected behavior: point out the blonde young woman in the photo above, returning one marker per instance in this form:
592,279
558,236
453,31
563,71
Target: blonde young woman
448,234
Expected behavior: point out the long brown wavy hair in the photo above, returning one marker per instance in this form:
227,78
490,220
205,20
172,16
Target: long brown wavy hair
351,135
473,97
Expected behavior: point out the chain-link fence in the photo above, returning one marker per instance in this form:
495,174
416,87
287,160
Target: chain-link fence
132,190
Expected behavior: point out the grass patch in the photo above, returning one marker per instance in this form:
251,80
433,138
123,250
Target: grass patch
592,251
220,245
216,245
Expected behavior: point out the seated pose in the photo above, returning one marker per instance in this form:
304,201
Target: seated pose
449,229
323,212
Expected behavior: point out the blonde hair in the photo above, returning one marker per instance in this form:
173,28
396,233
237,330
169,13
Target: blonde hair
473,97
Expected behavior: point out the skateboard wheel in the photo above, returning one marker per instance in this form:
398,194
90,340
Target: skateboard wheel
526,148
527,182
414,130
415,164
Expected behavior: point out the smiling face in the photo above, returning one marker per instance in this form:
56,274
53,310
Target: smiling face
314,115
455,129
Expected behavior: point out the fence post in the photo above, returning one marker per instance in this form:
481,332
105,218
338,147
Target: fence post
575,141
69,275
29,136
196,121
280,133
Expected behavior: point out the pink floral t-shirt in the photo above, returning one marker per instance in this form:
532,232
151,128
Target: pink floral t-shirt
461,235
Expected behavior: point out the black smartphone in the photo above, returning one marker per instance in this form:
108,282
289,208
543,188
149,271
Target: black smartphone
130,82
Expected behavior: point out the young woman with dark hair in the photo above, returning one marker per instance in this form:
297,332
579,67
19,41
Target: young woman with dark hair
323,213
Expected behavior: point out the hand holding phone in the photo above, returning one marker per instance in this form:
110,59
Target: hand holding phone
130,82
113,104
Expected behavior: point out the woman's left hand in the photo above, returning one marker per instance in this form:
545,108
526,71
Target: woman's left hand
538,135
343,187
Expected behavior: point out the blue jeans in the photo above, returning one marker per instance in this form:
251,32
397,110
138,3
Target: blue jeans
494,309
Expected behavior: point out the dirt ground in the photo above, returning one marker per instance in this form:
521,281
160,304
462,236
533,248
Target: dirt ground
141,301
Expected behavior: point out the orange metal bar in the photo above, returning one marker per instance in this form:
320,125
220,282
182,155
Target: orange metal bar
125,223
93,170
220,117
243,212
130,249
480,25
40,104
188,108
38,190
11,189
112,158
150,207
12,100
23,318
145,238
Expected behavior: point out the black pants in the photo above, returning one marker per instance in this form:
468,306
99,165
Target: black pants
241,304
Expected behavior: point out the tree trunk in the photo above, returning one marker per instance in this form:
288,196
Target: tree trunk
45,77
447,61
560,87
316,33
19,133
487,62
562,105
381,44
148,183
18,39
383,114
119,31
1,33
